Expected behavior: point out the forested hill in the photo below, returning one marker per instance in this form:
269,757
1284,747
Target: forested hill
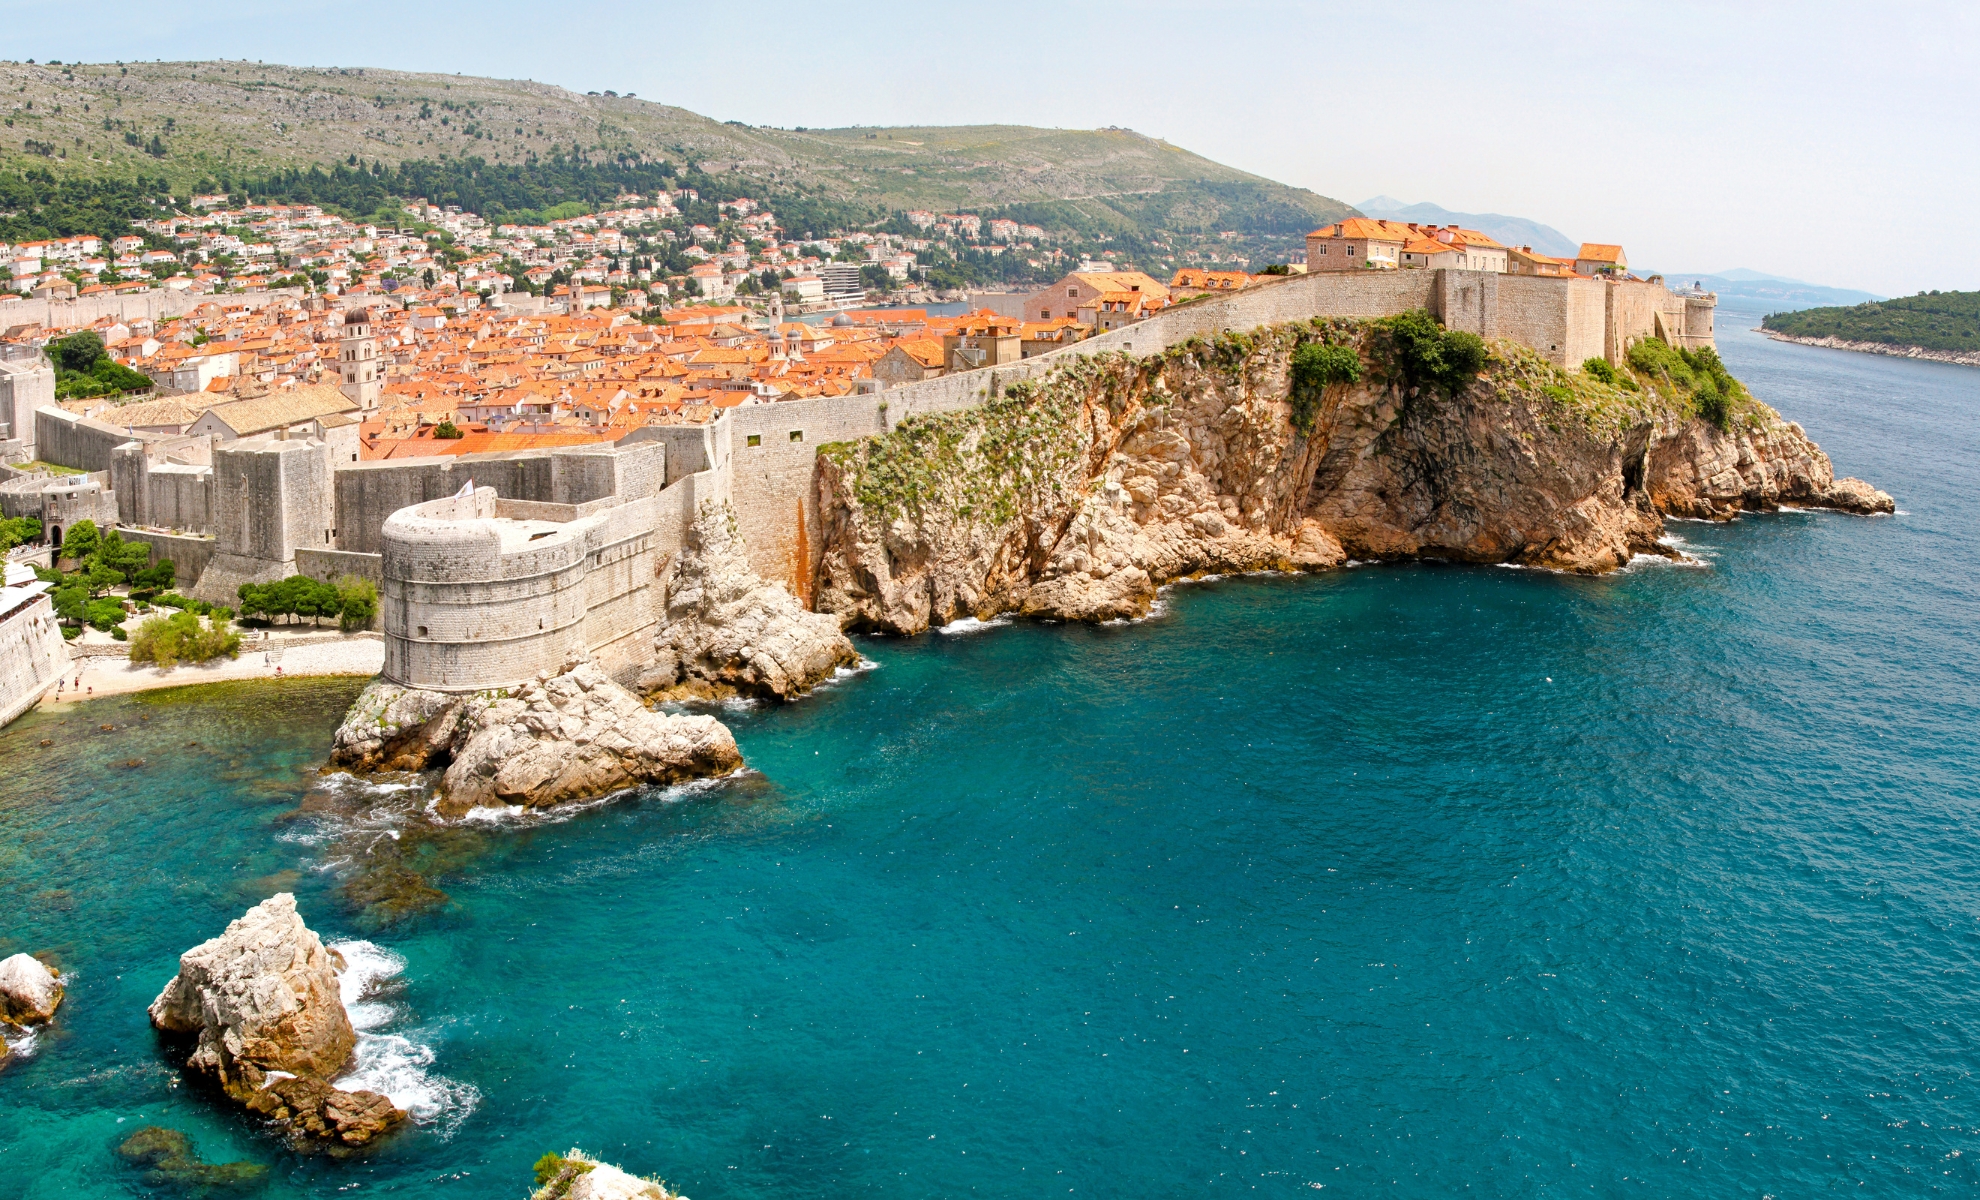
235,124
1929,320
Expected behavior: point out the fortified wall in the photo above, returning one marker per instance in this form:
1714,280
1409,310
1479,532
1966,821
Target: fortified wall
483,592
493,567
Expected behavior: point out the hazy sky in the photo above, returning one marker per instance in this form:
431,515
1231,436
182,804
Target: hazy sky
1827,142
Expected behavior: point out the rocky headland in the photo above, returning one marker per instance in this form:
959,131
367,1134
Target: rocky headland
729,632
569,736
260,1006
1076,496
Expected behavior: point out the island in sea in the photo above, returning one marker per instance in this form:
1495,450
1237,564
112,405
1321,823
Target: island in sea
1941,326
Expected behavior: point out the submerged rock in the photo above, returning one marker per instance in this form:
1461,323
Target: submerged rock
576,1175
731,632
262,1005
168,1161
568,736
30,991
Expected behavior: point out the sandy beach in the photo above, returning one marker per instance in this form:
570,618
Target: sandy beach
112,677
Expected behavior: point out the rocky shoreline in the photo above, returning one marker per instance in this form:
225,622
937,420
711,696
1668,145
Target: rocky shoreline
563,737
1964,358
1077,498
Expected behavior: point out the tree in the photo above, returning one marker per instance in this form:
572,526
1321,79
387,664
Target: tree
448,431
18,531
77,352
357,603
81,540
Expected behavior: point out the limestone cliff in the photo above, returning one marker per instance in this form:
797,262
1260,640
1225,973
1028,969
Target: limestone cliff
561,737
1076,497
729,632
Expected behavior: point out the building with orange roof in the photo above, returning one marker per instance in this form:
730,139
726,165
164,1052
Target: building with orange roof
1357,244
1600,258
1522,260
1193,281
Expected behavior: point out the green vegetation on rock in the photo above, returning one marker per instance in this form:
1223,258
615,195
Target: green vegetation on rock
1315,367
1947,321
1418,352
83,369
1699,374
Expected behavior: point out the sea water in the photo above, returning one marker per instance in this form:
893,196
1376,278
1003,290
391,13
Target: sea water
1410,880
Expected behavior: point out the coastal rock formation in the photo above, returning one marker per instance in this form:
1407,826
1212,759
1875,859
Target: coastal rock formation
393,728
573,736
1076,497
562,737
576,1175
1700,471
262,1005
730,632
30,991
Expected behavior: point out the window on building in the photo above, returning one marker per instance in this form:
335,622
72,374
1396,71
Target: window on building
1350,249
756,439
1072,292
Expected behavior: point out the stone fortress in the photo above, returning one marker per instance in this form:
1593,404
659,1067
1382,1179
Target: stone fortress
494,567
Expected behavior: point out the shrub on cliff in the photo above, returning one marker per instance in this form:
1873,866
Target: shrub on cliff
1421,353
1314,367
1697,373
182,637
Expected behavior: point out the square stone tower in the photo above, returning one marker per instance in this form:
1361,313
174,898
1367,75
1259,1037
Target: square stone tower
358,361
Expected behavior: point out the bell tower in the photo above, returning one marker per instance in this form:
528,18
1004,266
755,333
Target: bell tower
357,358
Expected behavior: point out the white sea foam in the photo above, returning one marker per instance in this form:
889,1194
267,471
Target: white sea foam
517,814
972,625
393,1062
1658,560
21,1042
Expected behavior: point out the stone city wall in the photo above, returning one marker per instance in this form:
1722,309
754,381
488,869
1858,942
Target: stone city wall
67,440
156,305
32,655
332,565
25,389
189,553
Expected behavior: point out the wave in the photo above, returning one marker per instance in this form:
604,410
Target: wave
393,1063
972,625
22,1043
556,814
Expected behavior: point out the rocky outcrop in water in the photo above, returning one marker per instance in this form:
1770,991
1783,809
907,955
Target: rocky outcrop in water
730,632
1075,498
575,1175
30,991
569,736
261,1006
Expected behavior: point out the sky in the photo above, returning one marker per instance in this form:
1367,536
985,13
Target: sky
1833,143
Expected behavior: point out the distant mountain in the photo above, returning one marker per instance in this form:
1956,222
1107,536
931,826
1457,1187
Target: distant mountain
203,126
1744,288
1513,231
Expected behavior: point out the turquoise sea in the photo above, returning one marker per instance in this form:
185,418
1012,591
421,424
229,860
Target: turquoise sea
1405,880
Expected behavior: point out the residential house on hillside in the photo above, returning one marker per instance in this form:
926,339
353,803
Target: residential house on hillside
1193,281
1597,258
1357,243
910,360
1083,289
982,339
1522,260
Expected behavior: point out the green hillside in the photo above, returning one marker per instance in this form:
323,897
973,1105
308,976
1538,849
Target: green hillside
220,124
1931,320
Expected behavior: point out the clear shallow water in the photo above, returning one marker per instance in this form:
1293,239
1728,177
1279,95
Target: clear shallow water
1404,880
